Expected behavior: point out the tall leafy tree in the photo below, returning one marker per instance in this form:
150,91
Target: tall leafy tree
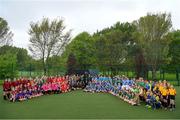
112,45
22,57
82,46
152,38
8,64
71,64
5,33
47,38
174,48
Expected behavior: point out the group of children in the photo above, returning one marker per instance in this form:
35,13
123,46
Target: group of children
55,85
21,89
155,94
27,88
124,89
99,84
78,81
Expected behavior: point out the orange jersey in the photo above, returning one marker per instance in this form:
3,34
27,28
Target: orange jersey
164,92
172,91
161,88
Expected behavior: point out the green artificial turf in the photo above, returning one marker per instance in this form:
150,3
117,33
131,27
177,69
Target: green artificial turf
78,104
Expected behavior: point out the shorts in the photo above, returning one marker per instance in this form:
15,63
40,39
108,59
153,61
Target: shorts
164,97
172,101
165,100
172,97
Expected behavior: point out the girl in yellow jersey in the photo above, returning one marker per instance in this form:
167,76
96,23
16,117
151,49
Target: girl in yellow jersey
160,87
165,93
172,94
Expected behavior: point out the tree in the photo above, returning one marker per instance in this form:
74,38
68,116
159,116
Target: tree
174,48
112,45
5,33
23,59
152,38
48,38
82,47
8,63
71,64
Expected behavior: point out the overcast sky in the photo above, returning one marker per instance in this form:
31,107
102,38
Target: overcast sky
80,15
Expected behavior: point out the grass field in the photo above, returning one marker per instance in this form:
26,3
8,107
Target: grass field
78,104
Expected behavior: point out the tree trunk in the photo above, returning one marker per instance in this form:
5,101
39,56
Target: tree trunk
44,67
140,64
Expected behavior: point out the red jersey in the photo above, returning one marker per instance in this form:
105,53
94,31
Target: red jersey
7,85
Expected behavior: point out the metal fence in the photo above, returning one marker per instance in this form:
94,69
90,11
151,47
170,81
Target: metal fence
164,72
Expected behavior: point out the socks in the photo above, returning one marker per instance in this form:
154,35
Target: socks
171,106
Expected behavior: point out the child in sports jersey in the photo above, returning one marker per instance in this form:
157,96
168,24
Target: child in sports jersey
136,100
116,91
88,87
123,93
49,89
45,88
148,99
164,93
141,93
119,87
36,93
172,93
62,87
53,86
12,96
66,85
7,88
28,94
57,88
158,102
112,90
129,96
153,101
21,96
147,86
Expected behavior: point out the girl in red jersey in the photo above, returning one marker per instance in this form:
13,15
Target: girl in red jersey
13,94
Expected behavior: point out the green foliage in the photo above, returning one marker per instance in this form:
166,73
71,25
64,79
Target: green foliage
23,59
152,38
174,48
8,65
47,38
82,46
113,44
140,44
12,60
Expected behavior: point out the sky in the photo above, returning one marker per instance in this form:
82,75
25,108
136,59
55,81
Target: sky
80,15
